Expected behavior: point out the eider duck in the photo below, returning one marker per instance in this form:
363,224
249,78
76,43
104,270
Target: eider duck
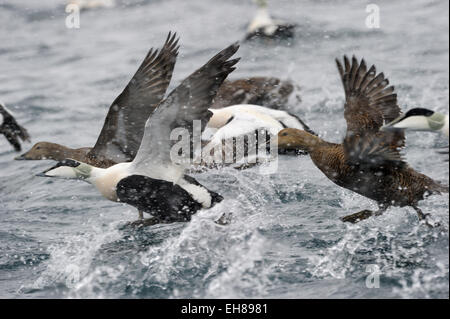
237,120
124,125
152,182
245,121
420,119
368,161
92,4
265,91
11,130
263,26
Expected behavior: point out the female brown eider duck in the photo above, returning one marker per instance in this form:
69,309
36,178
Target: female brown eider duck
11,130
368,161
124,125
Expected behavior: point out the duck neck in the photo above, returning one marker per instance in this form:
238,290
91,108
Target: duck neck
91,173
62,152
314,143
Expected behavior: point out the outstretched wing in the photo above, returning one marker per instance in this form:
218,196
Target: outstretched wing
122,132
12,130
188,102
369,103
372,151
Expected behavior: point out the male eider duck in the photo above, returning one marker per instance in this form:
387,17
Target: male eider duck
124,125
237,120
266,91
368,161
263,26
11,130
246,123
152,182
420,119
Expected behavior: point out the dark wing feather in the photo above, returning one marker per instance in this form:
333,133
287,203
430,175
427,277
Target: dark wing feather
369,103
122,132
188,102
12,130
372,151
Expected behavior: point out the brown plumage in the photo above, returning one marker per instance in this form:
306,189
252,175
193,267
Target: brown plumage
123,129
265,91
12,130
368,161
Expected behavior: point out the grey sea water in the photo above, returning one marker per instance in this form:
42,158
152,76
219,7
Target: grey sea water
61,239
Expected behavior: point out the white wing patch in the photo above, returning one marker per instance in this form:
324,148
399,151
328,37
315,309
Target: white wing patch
198,193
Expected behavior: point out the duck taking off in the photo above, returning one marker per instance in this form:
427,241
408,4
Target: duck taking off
11,130
152,182
238,130
368,161
242,119
263,26
123,129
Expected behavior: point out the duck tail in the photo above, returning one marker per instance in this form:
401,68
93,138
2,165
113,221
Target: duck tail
439,188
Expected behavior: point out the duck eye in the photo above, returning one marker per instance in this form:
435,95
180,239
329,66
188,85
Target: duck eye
284,134
38,148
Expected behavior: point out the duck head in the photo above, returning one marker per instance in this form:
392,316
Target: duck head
417,119
42,151
69,169
295,139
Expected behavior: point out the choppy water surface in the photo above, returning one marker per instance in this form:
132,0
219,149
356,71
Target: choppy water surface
62,239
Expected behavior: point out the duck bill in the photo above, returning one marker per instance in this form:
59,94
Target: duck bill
391,125
44,173
22,157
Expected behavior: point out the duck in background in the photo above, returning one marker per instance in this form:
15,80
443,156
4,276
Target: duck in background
123,129
251,125
12,130
368,161
420,119
263,26
270,92
153,182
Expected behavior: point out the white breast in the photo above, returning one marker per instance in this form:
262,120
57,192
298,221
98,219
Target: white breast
106,180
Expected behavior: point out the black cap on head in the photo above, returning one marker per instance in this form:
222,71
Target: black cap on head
418,112
67,162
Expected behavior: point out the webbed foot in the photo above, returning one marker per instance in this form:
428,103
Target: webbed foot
356,217
144,222
424,217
